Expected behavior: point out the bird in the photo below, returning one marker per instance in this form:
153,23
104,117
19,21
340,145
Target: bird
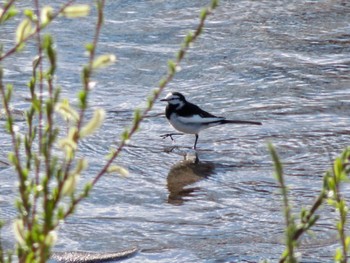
189,118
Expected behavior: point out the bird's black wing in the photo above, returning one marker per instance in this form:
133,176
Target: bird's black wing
190,109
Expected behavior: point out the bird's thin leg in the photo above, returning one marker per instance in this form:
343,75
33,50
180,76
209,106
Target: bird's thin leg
195,142
170,135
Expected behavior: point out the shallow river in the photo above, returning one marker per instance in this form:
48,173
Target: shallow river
284,63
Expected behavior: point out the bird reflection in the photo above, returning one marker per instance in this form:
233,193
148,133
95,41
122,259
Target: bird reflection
185,173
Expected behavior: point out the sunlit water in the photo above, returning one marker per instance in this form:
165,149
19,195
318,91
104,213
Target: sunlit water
285,63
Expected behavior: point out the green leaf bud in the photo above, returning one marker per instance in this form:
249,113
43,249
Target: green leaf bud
70,184
118,169
46,15
19,231
67,112
23,30
95,123
104,61
79,10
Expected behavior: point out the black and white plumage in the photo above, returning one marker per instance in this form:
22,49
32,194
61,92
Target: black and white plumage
188,118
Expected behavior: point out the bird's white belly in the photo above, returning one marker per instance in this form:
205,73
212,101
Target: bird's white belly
188,127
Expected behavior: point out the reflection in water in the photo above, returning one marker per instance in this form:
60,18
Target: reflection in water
185,173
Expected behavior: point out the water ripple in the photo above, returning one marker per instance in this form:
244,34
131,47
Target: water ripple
284,64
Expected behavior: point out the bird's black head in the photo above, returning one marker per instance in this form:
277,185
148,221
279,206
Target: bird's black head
175,98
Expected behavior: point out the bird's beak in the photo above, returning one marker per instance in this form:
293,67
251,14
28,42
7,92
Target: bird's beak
164,100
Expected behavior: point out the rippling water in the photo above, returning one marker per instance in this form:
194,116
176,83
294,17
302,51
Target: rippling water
285,63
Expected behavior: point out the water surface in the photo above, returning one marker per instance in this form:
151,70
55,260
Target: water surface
285,63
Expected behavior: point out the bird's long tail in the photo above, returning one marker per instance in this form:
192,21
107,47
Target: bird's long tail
240,122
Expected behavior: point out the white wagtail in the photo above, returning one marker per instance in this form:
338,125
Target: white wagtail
189,118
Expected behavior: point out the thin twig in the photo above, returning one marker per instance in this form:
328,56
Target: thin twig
6,8
86,79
